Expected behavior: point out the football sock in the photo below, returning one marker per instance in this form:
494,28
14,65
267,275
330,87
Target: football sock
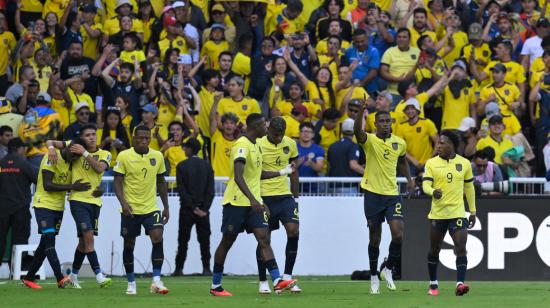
461,265
128,259
94,262
262,275
157,257
394,255
291,252
374,252
39,256
51,254
77,263
433,261
217,275
271,266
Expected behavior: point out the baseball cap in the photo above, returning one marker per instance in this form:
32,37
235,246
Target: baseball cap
167,8
5,105
496,119
88,8
300,108
178,4
460,64
474,31
466,124
413,102
80,106
44,97
499,67
347,125
217,26
218,8
185,59
120,3
386,94
543,22
169,21
150,108
491,109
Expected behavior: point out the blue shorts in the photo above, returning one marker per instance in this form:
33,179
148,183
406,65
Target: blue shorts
131,226
237,219
85,216
380,207
49,221
283,209
452,225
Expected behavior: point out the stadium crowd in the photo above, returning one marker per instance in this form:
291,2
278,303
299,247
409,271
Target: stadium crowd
197,68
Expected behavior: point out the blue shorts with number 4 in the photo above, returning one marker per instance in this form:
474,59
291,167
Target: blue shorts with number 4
49,221
452,225
131,226
237,219
283,209
380,207
86,216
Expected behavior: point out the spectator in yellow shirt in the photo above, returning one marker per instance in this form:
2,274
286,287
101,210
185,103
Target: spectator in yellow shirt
496,141
132,50
215,46
506,94
420,25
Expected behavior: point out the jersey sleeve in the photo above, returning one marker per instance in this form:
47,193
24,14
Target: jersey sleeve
374,60
254,108
403,149
105,157
386,57
162,165
521,74
432,130
120,166
239,152
427,179
293,150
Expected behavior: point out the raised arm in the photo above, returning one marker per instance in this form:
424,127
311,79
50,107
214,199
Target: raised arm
213,113
110,81
360,135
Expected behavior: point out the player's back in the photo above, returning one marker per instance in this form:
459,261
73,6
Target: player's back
53,200
274,158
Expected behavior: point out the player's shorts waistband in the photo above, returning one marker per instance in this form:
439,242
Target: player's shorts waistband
378,195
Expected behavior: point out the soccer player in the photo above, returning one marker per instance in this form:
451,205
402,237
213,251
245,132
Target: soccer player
138,173
243,208
446,178
54,180
279,151
384,152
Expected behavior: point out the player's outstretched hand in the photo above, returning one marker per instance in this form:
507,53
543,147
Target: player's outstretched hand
471,221
438,193
165,216
127,211
290,168
79,186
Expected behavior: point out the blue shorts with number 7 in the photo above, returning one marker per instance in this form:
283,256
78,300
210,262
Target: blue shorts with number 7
131,226
380,207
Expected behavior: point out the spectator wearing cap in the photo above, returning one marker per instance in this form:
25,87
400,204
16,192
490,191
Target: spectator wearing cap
112,7
82,111
532,47
8,42
6,134
172,39
8,117
189,20
296,97
218,16
297,116
15,92
16,177
459,100
195,185
496,140
222,141
343,155
468,137
122,8
420,134
508,95
214,46
147,17
482,51
511,124
90,30
42,66
382,103
352,109
420,25
367,61
159,132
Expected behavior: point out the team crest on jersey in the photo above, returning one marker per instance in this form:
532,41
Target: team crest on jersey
286,150
180,43
413,57
153,161
245,107
485,53
418,129
6,41
507,92
465,91
458,167
395,146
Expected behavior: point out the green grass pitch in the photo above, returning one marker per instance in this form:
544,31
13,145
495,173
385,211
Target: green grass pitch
336,292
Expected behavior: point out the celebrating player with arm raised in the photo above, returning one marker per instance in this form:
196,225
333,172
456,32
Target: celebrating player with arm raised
139,173
384,152
446,178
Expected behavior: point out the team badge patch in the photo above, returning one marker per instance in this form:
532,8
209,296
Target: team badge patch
6,41
395,145
485,53
507,92
180,43
286,150
418,129
413,57
458,167
153,161
245,107
465,91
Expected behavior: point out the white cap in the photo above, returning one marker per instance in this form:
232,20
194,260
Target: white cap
178,4
44,96
80,106
120,3
185,59
413,102
347,125
466,124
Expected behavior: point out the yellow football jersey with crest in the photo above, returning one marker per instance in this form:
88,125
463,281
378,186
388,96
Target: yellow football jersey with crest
418,138
242,109
274,158
52,200
81,170
221,153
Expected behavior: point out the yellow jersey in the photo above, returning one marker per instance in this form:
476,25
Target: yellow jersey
61,108
511,125
415,35
241,64
422,99
166,43
456,109
274,158
174,155
221,153
203,118
358,93
77,98
313,110
81,170
55,6
110,7
515,73
131,56
7,43
499,147
400,63
322,47
242,108
451,176
113,151
112,26
213,50
537,65
163,133
52,200
482,54
90,44
371,128
292,127
166,114
381,168
418,138
127,123
250,153
31,6
460,39
140,178
505,95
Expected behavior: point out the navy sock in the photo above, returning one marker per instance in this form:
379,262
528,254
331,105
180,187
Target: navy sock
94,262
433,261
374,252
37,261
51,254
394,255
273,269
217,274
128,259
461,266
157,257
78,259
291,252
261,266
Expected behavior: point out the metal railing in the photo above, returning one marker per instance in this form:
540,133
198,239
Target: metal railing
347,187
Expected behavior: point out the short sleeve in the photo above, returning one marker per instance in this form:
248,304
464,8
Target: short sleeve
239,152
432,130
353,152
521,74
468,174
255,108
374,60
428,172
106,157
403,149
386,58
162,165
480,144
319,153
120,166
293,150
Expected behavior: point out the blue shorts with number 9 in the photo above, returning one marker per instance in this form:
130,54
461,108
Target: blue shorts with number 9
380,207
451,225
131,226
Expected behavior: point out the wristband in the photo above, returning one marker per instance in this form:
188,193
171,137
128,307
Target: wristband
86,154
